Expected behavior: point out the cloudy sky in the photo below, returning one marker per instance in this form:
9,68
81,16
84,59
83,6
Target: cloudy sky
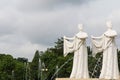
30,25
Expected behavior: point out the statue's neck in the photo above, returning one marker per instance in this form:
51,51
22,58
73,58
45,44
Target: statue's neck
109,29
81,30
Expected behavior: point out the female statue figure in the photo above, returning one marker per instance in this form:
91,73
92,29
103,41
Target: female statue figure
106,44
77,44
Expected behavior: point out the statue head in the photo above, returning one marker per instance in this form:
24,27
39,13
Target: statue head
109,24
80,26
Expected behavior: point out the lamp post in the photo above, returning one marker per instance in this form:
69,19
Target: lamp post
57,72
12,74
39,69
43,70
26,71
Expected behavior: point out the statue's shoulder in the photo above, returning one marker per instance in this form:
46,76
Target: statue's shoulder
82,35
110,33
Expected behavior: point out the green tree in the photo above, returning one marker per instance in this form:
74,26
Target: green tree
53,57
20,68
6,66
11,68
34,66
19,71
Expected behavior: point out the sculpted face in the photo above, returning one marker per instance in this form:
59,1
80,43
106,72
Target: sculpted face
80,27
109,24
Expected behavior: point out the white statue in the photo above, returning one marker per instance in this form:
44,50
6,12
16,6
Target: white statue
106,44
77,44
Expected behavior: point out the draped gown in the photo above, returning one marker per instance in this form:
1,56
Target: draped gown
80,60
106,44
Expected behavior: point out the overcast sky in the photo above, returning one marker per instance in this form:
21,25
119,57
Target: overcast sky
30,25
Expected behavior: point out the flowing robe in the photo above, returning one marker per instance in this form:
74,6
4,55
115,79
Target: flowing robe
106,44
80,60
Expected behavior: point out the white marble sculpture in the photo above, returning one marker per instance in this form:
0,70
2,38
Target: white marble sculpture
106,44
77,44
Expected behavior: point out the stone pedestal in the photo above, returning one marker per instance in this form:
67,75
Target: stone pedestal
79,79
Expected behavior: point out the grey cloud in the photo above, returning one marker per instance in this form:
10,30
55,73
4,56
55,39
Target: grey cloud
38,23
6,30
48,5
46,28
